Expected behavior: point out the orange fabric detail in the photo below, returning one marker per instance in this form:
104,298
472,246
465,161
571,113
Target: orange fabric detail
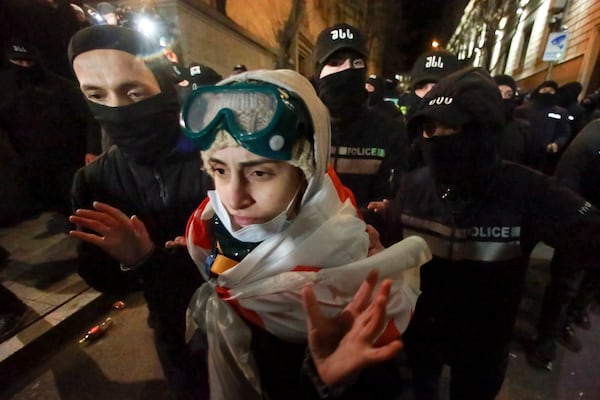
389,334
222,292
221,264
305,268
247,314
342,191
200,235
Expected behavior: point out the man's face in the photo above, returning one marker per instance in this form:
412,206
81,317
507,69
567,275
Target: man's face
506,92
114,78
547,90
341,61
424,89
22,62
433,128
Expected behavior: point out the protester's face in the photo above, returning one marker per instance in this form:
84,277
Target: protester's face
253,189
341,61
506,92
114,78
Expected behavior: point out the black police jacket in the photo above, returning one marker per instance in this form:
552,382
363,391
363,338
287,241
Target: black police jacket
481,244
163,197
369,153
579,165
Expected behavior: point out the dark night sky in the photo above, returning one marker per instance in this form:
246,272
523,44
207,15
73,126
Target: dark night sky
420,21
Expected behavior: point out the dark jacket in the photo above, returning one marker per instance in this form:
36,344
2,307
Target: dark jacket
481,242
369,153
579,166
163,197
284,373
46,118
513,141
548,124
567,96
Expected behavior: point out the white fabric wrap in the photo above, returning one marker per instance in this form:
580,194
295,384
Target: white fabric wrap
327,234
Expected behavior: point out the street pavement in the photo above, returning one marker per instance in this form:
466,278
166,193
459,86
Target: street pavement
123,363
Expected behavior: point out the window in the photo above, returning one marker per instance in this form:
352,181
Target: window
524,44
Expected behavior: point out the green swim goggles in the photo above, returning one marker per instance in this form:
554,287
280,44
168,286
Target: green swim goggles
264,119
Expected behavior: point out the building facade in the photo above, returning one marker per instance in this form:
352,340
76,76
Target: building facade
533,40
257,33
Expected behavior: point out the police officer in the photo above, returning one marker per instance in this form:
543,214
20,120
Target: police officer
429,68
549,127
368,150
481,217
513,145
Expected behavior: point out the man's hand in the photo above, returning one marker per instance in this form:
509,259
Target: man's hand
178,241
342,346
124,238
375,245
378,206
89,157
552,148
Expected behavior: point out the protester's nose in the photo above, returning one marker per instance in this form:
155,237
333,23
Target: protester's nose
239,194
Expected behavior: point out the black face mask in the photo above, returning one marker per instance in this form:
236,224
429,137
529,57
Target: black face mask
588,104
35,73
460,158
547,99
375,98
509,107
343,92
146,131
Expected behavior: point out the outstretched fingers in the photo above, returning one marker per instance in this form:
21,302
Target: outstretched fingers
362,298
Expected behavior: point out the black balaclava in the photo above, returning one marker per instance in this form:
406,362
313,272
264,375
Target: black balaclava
376,96
462,157
568,93
470,101
343,92
509,104
545,99
589,103
148,130
34,73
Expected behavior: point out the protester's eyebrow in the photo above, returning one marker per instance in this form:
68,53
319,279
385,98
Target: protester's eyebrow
246,164
122,85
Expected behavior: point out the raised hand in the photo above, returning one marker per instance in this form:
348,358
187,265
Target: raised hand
343,345
124,238
178,241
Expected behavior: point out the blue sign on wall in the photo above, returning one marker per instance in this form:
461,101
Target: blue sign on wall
556,47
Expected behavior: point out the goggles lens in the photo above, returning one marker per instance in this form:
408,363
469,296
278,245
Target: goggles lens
264,119
249,111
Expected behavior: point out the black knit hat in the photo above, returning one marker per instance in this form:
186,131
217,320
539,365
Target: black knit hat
544,84
433,66
506,80
337,37
113,37
468,95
